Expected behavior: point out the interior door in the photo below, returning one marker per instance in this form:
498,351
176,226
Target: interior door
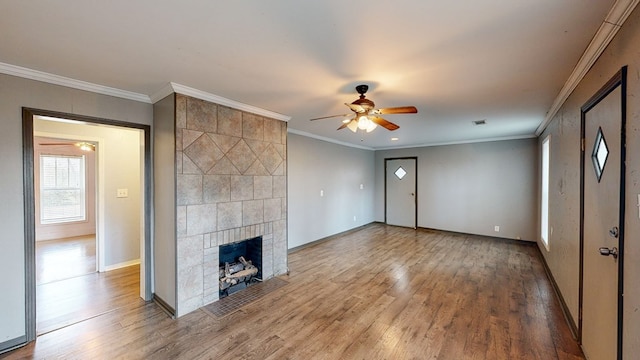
400,192
603,221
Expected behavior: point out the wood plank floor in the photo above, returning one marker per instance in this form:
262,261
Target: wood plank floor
379,292
69,289
65,258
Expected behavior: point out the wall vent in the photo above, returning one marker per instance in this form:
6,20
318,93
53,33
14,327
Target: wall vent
480,122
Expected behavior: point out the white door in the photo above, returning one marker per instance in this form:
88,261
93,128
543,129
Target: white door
401,192
602,227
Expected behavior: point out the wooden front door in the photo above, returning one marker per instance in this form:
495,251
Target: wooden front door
400,192
603,222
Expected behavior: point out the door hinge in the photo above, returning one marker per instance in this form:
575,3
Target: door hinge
582,144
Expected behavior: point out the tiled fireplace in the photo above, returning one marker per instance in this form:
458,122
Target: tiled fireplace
230,186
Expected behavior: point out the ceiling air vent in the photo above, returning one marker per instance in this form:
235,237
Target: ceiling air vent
480,122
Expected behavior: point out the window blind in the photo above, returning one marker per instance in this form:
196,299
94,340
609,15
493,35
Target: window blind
62,189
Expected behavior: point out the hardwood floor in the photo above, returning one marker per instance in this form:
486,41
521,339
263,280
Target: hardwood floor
69,290
65,258
70,301
379,292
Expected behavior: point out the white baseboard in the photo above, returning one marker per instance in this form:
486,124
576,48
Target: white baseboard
122,265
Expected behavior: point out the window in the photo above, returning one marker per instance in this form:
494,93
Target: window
400,173
62,189
544,194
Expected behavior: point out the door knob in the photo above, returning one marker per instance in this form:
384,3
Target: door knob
614,232
606,252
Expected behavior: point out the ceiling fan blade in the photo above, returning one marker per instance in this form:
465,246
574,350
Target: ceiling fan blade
356,108
397,110
384,123
50,144
328,117
342,126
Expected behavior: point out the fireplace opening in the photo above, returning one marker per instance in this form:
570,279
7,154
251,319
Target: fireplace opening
240,265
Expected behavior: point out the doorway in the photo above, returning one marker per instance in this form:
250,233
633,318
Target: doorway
603,122
401,192
116,197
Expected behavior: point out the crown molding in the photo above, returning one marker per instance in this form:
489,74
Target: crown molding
42,76
461,142
318,137
202,95
612,23
162,93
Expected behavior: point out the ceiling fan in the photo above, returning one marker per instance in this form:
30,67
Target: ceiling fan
366,115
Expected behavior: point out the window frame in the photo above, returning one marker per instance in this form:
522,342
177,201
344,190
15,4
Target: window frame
82,188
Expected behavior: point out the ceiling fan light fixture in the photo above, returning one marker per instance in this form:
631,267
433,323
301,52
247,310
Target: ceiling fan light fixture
353,125
363,122
85,146
371,126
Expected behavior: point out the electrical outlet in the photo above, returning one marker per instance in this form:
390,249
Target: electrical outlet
354,218
496,228
122,193
321,193
361,186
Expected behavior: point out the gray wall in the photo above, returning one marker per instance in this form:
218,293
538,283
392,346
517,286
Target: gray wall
164,188
564,186
14,94
470,188
338,171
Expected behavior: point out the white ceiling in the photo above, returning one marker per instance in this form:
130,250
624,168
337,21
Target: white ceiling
457,61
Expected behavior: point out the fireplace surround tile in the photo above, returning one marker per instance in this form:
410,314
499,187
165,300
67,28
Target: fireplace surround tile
202,115
190,285
262,187
257,146
252,126
190,250
189,189
252,213
181,112
257,169
186,137
272,131
241,187
272,209
201,219
216,188
224,142
224,167
204,153
179,162
188,166
181,221
230,186
229,215
241,156
229,121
